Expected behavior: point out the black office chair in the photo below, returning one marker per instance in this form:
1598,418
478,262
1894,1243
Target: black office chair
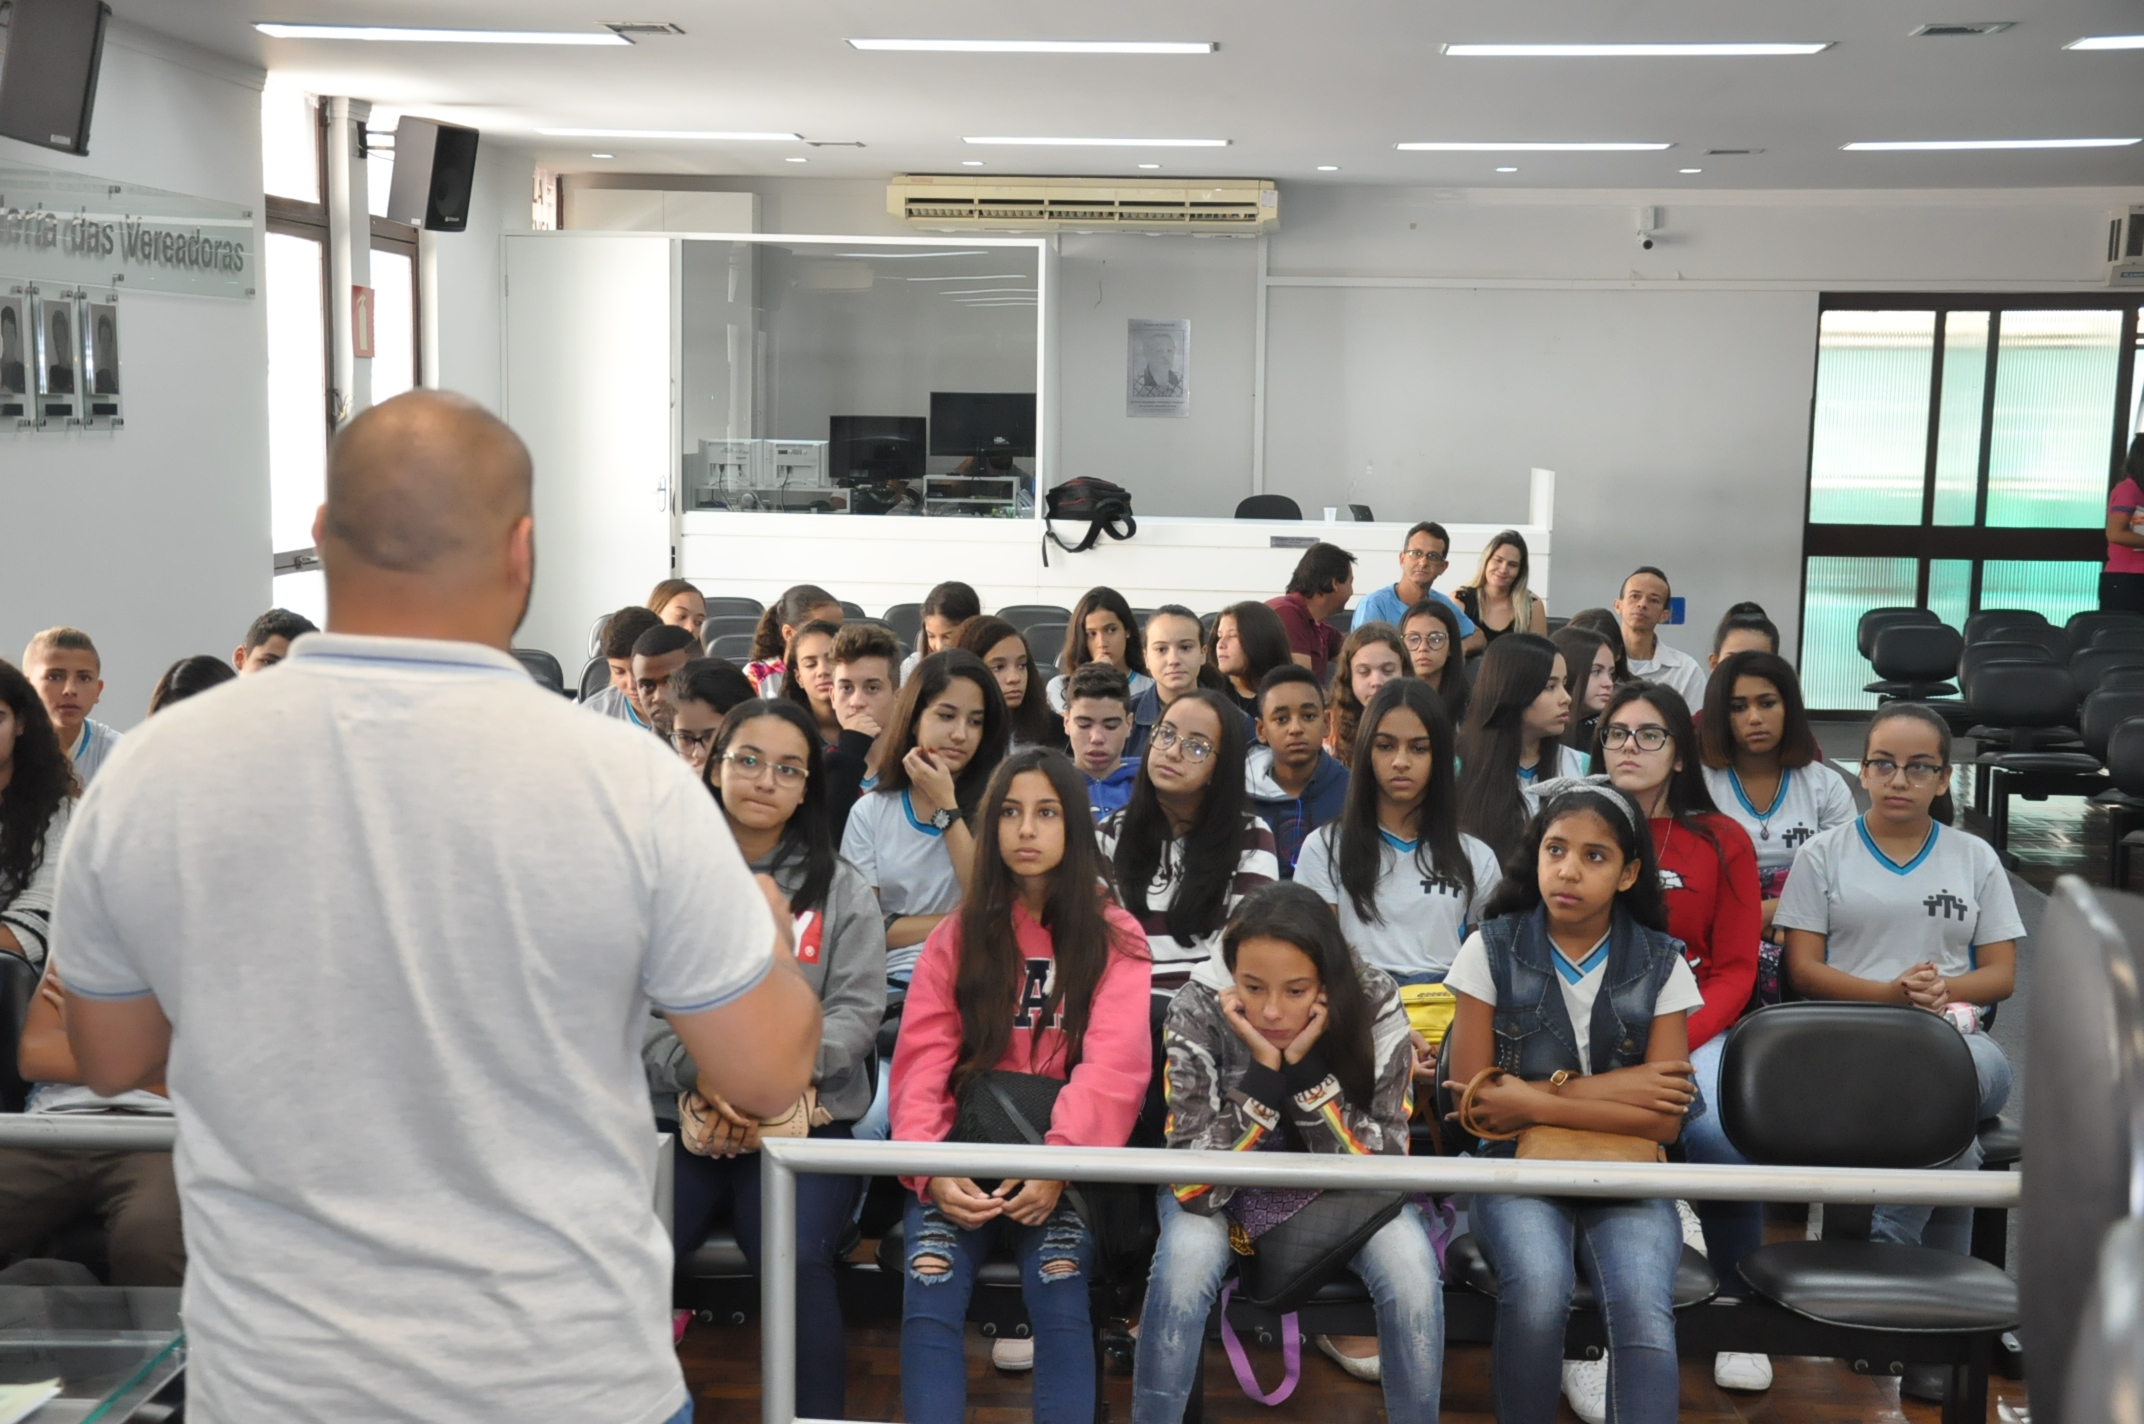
2089,669
1268,506
2128,639
595,676
2124,800
853,612
906,622
543,667
1026,615
2124,677
2082,628
1977,624
737,647
1868,1085
2035,705
718,625
734,606
1877,619
1045,644
18,988
2054,640
595,636
1140,615
1914,661
1556,624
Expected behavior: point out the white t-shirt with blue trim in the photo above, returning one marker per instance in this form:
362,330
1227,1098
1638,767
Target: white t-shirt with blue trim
1581,985
1880,918
904,859
1811,800
1424,917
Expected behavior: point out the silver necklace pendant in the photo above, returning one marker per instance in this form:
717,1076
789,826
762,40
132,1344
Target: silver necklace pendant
1764,831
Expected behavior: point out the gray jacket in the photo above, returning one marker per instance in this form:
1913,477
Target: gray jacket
848,970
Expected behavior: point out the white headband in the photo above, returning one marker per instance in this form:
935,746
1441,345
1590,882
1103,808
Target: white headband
1547,791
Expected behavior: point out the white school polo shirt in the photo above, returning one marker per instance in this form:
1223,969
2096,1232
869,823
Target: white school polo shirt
1811,800
406,911
1423,917
1581,985
1672,667
903,858
1880,918
92,745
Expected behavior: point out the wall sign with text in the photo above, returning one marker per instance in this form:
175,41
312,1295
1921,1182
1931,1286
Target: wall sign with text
69,228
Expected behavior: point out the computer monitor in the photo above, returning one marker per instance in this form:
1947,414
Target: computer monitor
874,449
966,423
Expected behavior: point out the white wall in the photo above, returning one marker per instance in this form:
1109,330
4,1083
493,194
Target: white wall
470,273
153,538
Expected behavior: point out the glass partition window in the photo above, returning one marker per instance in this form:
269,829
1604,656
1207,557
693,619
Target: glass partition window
2054,386
1871,437
1836,593
1965,381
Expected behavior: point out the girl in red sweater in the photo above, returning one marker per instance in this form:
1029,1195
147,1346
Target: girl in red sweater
1708,869
1038,973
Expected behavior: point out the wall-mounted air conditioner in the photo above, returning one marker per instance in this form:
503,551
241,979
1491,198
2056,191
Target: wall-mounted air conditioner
942,202
2125,248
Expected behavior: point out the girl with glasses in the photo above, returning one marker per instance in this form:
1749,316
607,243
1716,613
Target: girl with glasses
1496,598
1372,656
1430,633
1248,641
1513,737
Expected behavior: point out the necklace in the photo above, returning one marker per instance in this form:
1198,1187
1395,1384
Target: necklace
1764,818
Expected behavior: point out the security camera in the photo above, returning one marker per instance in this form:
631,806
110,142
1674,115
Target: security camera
1648,227
1645,242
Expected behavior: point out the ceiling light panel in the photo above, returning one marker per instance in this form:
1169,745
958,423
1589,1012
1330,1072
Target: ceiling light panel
1038,46
2108,42
1959,145
1531,147
1724,49
391,34
1105,142
704,135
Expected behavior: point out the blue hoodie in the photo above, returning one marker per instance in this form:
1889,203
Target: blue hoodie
1109,793
1293,818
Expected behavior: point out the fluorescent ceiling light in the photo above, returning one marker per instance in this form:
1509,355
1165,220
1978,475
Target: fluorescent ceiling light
1531,147
2108,42
707,135
985,291
1507,170
402,35
897,256
1689,170
971,163
796,160
1040,46
1614,51
974,277
1150,165
1947,145
1328,168
1107,142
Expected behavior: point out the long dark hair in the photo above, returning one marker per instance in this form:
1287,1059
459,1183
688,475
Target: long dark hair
1688,797
1032,722
41,780
792,608
1261,635
1797,739
808,835
1579,647
1520,890
1100,599
1603,622
992,970
793,689
186,677
1357,849
1211,847
1745,618
1295,915
1943,808
1452,677
1492,742
930,678
1346,707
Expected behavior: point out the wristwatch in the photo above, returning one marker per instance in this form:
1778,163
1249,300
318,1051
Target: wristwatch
1557,1079
943,819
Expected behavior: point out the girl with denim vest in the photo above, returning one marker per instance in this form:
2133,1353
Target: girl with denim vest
1574,987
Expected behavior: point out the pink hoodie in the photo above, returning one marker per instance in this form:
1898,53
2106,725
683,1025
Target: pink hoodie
1101,1099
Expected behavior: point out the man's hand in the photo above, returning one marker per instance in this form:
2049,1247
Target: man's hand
964,1204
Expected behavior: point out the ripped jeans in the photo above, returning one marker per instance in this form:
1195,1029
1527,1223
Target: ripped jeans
934,1311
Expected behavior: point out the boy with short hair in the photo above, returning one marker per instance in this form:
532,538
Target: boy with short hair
1293,782
1642,606
700,695
268,640
867,679
657,653
619,634
1098,724
62,664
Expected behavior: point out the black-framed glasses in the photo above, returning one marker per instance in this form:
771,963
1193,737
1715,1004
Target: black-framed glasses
1650,738
1423,555
1918,773
701,742
1416,642
750,764
1196,748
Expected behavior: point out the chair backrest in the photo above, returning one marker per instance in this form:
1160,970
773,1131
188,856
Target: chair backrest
18,987
2101,713
1556,623
1141,615
853,612
737,647
2123,677
595,676
1978,655
1977,624
2084,627
1917,652
2023,695
1045,644
2124,756
543,667
906,621
716,627
1877,619
1026,615
595,636
2103,1380
2054,640
2129,638
2089,669
1268,506
1848,1085
734,606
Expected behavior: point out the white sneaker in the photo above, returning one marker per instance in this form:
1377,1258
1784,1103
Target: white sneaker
1693,1230
1732,1370
1012,1356
1362,1367
1585,1386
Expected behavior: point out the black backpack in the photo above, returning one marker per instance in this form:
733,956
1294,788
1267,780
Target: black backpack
1106,507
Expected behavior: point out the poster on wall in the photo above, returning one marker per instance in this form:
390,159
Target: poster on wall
57,355
100,360
1158,367
15,365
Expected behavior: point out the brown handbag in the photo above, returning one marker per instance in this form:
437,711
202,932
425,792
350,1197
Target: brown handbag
1558,1144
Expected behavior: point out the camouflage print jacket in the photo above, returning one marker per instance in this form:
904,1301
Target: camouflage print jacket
1222,1099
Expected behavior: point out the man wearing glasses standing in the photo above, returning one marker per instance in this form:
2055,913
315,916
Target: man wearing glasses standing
1422,562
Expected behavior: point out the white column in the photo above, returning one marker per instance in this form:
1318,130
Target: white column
349,252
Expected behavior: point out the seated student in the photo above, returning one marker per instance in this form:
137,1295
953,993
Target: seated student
1323,582
1098,722
1175,659
1406,884
620,632
268,639
1604,622
187,677
679,603
1744,628
945,608
801,604
1430,634
1579,910
1643,606
657,654
1295,785
1305,1050
62,664
700,695
767,774
1003,649
1496,598
867,661
1248,641
1898,908
1589,676
809,681
1422,562
1513,737
1037,974
1372,656
1101,630
1187,846
37,789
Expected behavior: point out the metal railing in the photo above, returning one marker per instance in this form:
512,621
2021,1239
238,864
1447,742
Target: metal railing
784,1157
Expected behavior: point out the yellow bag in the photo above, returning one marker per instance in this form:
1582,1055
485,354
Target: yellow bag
1430,1008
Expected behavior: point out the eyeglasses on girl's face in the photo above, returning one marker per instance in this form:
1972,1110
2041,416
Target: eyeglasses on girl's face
749,765
1193,747
1918,773
1650,738
1417,642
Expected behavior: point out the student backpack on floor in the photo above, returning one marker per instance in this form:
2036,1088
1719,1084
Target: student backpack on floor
1106,507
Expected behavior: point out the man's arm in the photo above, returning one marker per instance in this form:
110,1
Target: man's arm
756,1052
118,1044
44,1056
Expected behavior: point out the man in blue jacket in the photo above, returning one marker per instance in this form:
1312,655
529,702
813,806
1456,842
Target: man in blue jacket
1293,782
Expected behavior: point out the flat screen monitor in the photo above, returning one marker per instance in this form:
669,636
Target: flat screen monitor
874,449
966,423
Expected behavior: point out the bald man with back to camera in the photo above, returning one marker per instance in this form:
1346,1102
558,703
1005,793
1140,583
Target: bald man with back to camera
401,984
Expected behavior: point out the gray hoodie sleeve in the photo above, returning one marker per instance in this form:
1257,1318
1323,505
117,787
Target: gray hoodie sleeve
29,914
670,1068
852,996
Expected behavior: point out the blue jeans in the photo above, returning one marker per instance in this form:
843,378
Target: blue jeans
1397,1264
708,1185
1629,1250
1950,1228
683,1416
934,1313
1732,1229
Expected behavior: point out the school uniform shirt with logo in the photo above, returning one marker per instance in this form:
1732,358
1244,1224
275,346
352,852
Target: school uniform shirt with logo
1811,800
91,746
1174,961
903,857
1580,983
1423,918
1880,918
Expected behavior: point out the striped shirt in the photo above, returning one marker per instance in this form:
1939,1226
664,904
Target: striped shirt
29,911
1175,961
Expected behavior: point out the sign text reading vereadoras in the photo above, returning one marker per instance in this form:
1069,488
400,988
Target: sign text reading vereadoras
65,227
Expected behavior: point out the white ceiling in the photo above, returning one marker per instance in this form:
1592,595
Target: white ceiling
1293,86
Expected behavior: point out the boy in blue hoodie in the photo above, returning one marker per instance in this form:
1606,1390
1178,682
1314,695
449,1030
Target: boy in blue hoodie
1293,782
1098,722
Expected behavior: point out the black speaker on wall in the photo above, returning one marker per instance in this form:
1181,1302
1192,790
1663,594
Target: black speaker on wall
435,165
48,75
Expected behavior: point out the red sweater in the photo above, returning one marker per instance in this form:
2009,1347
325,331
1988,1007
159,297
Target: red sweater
1713,908
1101,1099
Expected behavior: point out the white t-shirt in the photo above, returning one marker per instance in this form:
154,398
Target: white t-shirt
1677,669
904,859
91,746
1811,800
610,702
1880,918
1581,985
408,974
1424,917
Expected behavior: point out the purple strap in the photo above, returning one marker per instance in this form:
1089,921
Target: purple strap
1442,1220
1291,1355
